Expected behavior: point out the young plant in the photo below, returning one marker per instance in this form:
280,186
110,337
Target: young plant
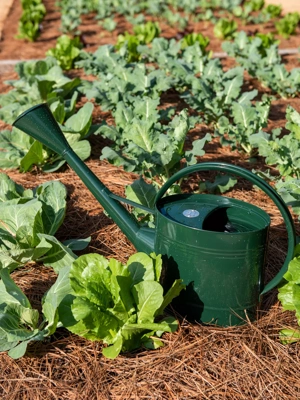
247,120
273,10
29,221
192,38
289,297
225,29
287,25
282,152
121,305
66,51
143,34
33,13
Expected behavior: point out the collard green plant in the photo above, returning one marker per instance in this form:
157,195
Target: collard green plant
38,81
144,145
262,60
29,221
246,120
283,152
66,51
214,93
20,323
43,81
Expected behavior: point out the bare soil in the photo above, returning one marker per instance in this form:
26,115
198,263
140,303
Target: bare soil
197,362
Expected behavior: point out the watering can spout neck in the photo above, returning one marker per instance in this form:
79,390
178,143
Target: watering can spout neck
39,123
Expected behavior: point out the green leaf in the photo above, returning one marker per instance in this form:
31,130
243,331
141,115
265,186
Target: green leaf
10,293
58,256
82,120
149,297
141,192
55,295
289,336
221,184
53,197
114,350
25,217
77,244
35,155
18,351
14,145
198,145
173,292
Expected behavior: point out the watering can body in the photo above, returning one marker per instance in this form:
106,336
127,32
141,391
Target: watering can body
221,257
217,245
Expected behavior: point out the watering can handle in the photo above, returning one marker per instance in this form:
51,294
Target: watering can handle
243,173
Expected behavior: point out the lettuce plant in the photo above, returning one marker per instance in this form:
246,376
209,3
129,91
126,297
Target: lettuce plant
66,51
32,15
121,305
287,25
289,293
225,28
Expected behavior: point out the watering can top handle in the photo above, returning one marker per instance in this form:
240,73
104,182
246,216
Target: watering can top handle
223,167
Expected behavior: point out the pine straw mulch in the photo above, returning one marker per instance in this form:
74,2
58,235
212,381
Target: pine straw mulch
197,362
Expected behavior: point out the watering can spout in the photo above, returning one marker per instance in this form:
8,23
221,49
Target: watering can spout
39,123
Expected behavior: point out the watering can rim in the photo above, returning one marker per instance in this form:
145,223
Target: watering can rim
232,203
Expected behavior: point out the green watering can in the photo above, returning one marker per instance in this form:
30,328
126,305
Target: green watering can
217,245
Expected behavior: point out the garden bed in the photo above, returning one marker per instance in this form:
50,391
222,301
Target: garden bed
197,362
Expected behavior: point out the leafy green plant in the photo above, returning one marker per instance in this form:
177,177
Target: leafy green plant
289,292
66,51
282,152
246,121
267,40
147,32
109,24
29,221
120,304
38,81
20,323
43,81
225,28
146,146
143,34
192,38
264,62
287,25
33,12
273,10
214,93
256,5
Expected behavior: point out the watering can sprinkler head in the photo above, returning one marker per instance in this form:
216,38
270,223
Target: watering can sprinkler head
217,245
39,123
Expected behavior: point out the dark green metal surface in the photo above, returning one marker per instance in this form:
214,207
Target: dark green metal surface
217,245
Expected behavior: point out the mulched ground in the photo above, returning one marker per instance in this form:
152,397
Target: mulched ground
197,362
